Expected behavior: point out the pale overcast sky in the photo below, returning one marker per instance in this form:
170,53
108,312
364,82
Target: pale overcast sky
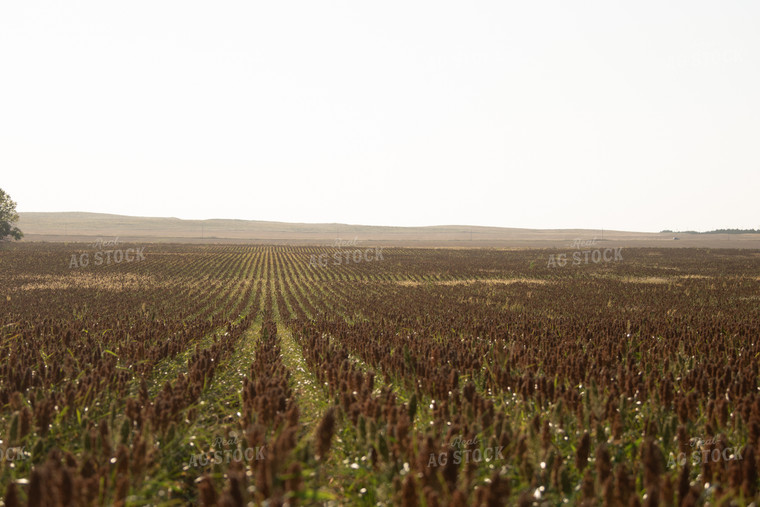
634,116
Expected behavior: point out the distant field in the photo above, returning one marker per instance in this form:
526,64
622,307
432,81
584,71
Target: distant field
172,374
86,227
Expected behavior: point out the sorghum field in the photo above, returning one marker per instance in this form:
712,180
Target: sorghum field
251,375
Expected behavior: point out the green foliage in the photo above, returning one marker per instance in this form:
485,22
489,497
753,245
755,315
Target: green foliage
8,217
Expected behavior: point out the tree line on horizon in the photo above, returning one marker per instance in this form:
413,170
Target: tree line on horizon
717,231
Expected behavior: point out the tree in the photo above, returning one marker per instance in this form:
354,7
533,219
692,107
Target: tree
8,217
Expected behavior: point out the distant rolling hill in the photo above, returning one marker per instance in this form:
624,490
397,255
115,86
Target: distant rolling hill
85,227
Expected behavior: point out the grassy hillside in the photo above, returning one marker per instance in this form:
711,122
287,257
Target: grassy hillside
77,226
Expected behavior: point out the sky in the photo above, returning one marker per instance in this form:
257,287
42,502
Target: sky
635,116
